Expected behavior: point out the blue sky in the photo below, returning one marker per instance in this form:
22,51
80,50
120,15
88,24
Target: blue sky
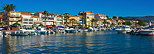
108,7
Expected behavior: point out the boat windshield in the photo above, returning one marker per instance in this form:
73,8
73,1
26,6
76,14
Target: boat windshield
150,27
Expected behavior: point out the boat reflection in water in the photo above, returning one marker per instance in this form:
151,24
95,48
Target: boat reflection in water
72,43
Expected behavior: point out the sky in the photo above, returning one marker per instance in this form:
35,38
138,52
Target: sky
107,7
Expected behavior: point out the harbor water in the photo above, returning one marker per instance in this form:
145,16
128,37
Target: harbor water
104,42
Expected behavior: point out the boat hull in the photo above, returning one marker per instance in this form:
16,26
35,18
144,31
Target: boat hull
146,33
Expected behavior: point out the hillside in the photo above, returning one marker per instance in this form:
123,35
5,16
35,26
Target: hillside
143,18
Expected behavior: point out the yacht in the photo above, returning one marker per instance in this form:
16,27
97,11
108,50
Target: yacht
147,31
124,29
23,32
41,31
70,30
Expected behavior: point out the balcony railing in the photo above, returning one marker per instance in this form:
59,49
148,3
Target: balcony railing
15,16
15,20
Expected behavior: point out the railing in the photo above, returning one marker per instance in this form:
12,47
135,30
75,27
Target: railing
14,20
15,16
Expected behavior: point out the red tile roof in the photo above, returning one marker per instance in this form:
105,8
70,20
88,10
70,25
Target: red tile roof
100,14
48,13
39,12
25,13
87,12
35,16
59,16
71,15
79,16
51,13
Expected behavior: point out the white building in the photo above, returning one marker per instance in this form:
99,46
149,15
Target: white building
60,20
100,16
27,19
47,20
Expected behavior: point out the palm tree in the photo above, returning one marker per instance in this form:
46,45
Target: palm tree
45,13
66,17
105,22
16,24
41,25
93,21
72,20
7,8
2,23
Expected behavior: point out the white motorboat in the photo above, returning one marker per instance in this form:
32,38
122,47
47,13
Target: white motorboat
41,31
124,29
70,30
147,31
23,32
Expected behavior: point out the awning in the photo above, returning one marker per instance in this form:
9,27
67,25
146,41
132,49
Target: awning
27,25
74,25
49,25
34,25
59,26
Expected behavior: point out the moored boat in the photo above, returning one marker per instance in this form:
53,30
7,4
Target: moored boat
147,31
124,29
23,32
70,30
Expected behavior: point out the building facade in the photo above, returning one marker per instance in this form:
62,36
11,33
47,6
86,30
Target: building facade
47,20
88,15
59,20
12,17
27,19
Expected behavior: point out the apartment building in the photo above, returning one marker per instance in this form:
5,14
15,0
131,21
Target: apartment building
12,17
47,20
100,16
60,20
88,15
27,19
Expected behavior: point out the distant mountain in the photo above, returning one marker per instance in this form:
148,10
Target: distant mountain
143,18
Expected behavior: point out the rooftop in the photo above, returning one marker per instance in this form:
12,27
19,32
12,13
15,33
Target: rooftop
101,14
87,12
25,13
35,16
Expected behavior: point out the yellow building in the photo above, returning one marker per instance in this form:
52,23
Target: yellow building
75,20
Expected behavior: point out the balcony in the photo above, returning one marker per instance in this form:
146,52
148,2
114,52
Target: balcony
14,16
15,20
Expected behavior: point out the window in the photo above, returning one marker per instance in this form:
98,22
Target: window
30,22
42,15
51,18
25,22
25,19
30,19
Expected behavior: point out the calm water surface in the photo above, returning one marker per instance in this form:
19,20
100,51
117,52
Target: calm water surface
106,42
